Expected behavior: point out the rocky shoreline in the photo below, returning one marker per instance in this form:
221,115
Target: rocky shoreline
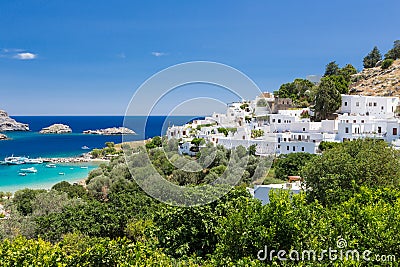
111,131
9,124
57,128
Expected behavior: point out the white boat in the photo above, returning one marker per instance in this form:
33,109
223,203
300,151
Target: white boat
22,174
33,161
51,165
28,170
84,167
61,173
85,147
14,160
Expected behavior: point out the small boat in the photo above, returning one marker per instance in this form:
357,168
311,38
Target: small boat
51,165
84,167
28,170
14,160
22,174
85,147
61,173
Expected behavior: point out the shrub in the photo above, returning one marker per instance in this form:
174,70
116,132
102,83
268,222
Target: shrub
387,63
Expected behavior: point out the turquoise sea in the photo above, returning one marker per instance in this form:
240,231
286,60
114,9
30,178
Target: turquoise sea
32,144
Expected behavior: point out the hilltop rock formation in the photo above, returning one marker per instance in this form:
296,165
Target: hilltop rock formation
9,124
3,137
377,81
111,131
56,129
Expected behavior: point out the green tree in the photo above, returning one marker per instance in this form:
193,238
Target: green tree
347,71
372,58
73,191
197,141
394,53
23,200
290,164
298,90
156,141
325,145
331,69
327,98
340,171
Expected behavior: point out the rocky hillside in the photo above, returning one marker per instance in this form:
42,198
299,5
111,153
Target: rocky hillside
378,82
9,124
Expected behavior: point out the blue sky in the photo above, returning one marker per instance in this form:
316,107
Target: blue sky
88,57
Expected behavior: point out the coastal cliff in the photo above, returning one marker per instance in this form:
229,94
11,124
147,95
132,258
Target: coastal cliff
56,129
9,124
111,131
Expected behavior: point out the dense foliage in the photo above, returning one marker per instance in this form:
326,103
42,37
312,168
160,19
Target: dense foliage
290,164
340,172
299,91
352,195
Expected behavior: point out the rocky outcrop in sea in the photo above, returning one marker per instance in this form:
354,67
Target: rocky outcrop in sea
56,129
111,131
9,124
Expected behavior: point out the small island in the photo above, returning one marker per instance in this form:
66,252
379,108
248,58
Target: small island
56,129
9,124
111,131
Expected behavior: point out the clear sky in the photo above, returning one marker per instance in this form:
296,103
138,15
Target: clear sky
88,57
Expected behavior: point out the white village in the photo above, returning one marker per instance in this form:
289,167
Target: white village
274,125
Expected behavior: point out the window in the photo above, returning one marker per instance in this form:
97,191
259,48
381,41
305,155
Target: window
362,121
294,148
273,120
394,131
354,121
379,129
279,120
345,104
347,130
284,139
347,121
382,108
279,139
279,146
357,104
370,104
304,129
287,148
302,148
375,104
